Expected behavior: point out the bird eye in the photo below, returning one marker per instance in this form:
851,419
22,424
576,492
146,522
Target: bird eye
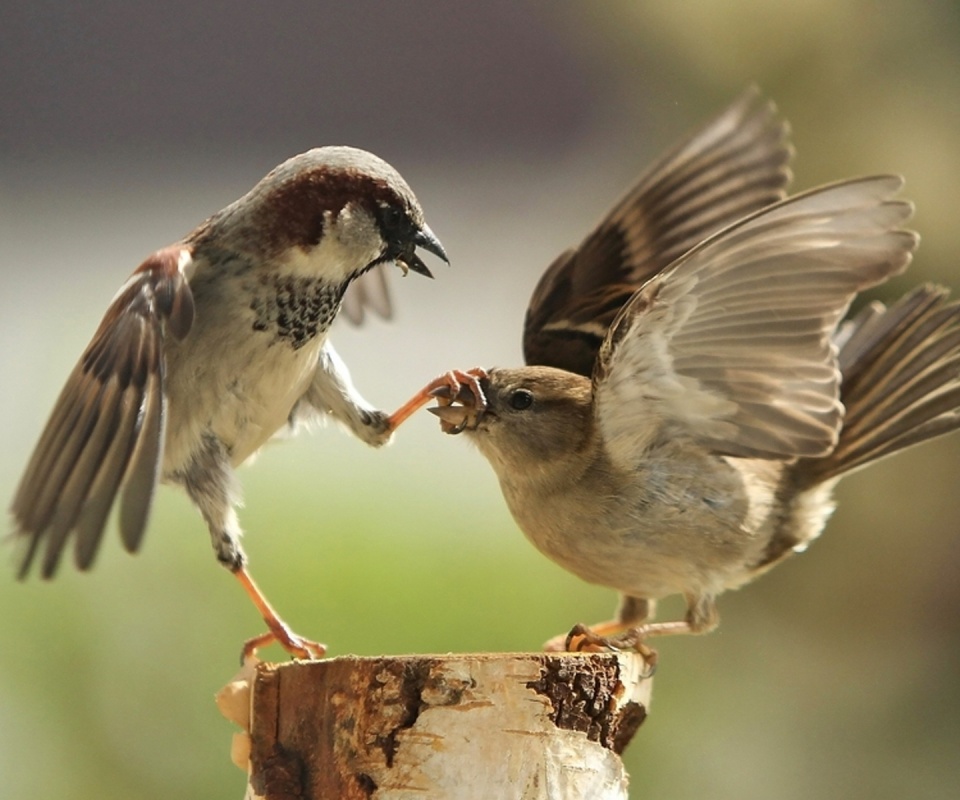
392,218
521,399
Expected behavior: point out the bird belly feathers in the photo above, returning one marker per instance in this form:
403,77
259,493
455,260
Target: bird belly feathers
243,410
688,526
243,389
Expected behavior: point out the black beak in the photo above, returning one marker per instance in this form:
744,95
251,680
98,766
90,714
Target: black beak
422,238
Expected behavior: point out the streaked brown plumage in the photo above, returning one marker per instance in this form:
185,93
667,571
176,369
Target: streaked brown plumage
213,345
735,164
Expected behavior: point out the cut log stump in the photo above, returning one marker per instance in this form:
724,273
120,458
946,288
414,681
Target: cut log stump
505,725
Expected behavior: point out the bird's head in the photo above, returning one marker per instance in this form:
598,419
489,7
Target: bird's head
528,417
331,213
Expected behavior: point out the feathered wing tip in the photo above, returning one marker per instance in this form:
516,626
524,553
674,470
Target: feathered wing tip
104,438
732,345
901,381
735,164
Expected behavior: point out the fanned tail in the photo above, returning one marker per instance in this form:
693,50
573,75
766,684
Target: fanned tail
901,381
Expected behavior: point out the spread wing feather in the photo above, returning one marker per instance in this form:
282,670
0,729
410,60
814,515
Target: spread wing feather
105,434
733,345
734,165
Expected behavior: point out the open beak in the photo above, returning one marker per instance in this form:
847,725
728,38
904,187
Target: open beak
422,238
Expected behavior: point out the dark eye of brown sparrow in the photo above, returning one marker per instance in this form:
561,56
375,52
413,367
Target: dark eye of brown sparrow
521,399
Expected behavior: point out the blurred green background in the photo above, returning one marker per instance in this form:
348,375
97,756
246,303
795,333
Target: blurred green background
518,124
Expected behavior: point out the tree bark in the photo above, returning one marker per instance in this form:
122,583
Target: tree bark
515,725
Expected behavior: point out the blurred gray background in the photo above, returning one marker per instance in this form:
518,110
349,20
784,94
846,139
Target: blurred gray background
517,124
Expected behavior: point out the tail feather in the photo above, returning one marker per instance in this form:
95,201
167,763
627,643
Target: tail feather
901,381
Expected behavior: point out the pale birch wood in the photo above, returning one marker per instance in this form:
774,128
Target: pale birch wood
516,725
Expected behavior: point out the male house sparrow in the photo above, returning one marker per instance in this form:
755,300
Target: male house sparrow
685,415
213,345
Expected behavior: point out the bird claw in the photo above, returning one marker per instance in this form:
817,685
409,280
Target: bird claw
445,389
581,639
296,645
277,630
457,386
449,387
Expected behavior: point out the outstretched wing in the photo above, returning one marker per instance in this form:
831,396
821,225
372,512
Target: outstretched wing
734,165
105,434
732,346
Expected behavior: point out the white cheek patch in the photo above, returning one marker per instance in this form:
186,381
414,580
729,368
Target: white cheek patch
185,264
350,242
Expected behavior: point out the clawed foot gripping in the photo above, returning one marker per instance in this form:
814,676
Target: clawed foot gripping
611,637
279,632
444,388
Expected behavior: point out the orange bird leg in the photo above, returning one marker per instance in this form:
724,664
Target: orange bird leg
450,382
279,631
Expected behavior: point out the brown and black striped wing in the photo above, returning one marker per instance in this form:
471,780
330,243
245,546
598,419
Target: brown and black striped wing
734,165
104,437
